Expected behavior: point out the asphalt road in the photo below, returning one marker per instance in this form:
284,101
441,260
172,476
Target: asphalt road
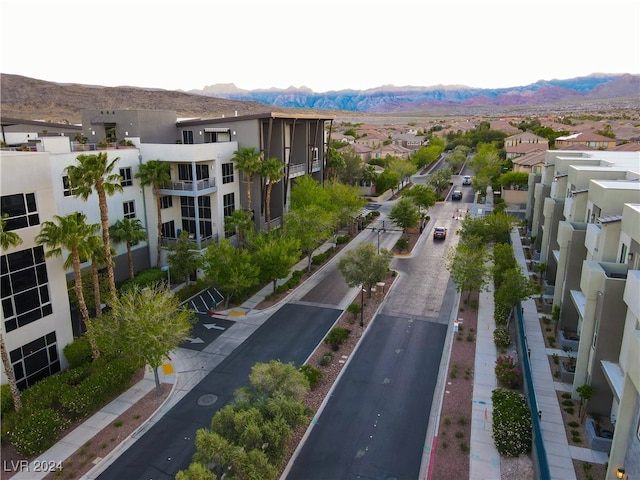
374,424
290,335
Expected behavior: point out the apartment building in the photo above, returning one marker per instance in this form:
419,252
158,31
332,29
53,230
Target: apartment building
205,186
585,215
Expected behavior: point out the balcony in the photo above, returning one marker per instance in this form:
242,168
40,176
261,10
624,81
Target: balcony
189,188
170,242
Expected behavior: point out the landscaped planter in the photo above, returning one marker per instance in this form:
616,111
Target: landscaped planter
599,440
567,372
568,340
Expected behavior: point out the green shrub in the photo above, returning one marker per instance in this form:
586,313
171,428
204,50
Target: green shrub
354,309
501,337
340,239
402,244
32,432
507,374
501,314
336,336
185,293
326,359
78,352
313,374
573,424
511,423
106,381
145,278
6,400
319,259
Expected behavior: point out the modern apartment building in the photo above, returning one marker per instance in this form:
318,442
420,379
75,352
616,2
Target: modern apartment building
205,187
585,215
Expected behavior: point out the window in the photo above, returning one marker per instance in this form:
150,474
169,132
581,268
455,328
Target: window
25,288
187,137
67,191
35,360
228,204
623,254
166,202
169,230
21,209
227,173
127,177
188,211
129,209
185,171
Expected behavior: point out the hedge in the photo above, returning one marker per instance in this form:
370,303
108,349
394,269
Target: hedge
511,423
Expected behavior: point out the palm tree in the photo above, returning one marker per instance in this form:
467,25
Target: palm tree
155,173
271,171
95,250
129,231
71,233
248,161
94,172
240,223
9,239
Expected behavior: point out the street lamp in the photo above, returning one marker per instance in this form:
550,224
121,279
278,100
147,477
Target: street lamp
362,306
167,269
378,231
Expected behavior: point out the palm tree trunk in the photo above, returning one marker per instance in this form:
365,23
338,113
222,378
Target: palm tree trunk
269,205
248,192
156,192
11,378
77,276
130,261
104,220
96,290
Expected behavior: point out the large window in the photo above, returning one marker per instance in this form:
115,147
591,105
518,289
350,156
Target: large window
21,209
169,230
127,177
67,191
166,201
35,360
129,209
187,137
24,288
185,171
188,211
227,173
228,204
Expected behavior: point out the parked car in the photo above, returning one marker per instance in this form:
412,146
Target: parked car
439,233
466,180
456,195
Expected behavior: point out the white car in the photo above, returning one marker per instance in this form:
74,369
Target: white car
466,180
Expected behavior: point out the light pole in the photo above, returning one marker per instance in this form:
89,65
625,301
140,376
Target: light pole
362,306
167,269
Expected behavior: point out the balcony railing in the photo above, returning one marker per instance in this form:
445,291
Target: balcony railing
204,241
188,185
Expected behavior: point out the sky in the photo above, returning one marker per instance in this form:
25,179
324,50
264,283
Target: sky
323,45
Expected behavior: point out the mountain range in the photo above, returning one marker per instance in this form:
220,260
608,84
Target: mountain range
29,98
389,98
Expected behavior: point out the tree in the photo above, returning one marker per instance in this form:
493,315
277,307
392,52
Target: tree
335,163
273,380
71,233
248,161
130,232
515,288
216,459
182,259
351,171
387,180
403,168
271,172
311,225
95,251
423,196
94,172
467,264
230,269
584,392
240,223
364,266
155,173
307,191
440,179
149,323
405,214
275,254
511,179
344,200
9,239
